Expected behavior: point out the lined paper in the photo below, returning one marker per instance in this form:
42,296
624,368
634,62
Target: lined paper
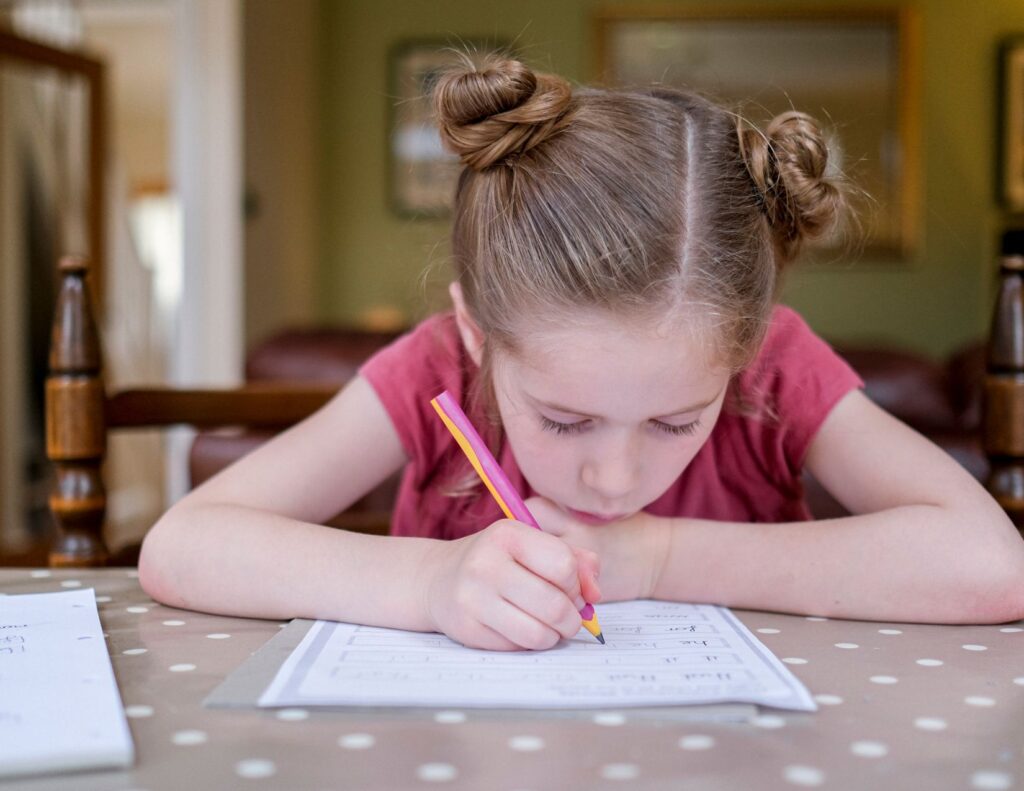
59,705
657,653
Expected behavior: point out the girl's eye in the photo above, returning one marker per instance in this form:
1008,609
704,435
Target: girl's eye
687,429
562,428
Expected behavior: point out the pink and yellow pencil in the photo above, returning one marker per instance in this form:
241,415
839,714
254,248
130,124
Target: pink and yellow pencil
495,480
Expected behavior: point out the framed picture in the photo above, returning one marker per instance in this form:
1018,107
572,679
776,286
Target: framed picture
422,174
856,71
1010,162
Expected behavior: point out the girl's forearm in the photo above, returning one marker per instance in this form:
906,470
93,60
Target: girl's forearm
239,561
918,563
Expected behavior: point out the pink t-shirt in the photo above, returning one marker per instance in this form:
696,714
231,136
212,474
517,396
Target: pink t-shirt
748,470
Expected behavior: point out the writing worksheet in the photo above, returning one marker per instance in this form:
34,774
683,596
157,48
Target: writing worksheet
59,705
657,654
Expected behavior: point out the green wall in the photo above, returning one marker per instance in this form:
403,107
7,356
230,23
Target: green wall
934,302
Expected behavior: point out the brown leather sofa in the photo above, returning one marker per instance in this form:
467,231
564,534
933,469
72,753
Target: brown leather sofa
941,399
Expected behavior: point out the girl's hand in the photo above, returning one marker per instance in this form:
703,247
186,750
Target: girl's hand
632,551
509,587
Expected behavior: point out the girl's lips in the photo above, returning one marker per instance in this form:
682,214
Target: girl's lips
595,519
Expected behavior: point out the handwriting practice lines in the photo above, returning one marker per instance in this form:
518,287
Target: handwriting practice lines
658,653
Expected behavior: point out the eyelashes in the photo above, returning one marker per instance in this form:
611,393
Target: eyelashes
687,429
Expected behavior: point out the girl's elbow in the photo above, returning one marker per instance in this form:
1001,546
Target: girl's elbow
155,577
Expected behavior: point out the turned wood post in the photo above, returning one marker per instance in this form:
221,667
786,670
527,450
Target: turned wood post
1004,383
75,424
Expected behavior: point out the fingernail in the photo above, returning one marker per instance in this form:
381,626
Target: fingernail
578,603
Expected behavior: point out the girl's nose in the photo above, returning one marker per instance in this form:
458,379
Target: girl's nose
611,475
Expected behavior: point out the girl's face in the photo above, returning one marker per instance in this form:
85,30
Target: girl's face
603,416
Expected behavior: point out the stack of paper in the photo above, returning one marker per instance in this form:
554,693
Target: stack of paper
59,705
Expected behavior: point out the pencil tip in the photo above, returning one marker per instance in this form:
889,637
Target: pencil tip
600,636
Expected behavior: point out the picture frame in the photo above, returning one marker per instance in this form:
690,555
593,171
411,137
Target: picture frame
422,174
855,70
1010,160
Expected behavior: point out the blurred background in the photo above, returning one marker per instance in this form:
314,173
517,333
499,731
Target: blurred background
238,168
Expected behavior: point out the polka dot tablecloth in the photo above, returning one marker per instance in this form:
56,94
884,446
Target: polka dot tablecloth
901,706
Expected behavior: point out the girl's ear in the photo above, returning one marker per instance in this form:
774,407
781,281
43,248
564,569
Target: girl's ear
472,335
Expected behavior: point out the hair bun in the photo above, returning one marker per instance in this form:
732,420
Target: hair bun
500,108
788,163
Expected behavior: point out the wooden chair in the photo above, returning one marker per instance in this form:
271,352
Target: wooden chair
80,412
1003,436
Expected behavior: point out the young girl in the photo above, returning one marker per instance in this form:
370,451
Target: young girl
614,332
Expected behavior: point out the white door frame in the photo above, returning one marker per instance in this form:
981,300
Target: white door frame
207,345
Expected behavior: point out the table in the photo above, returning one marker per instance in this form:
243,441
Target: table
902,706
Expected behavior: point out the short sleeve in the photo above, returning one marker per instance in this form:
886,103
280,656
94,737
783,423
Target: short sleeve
411,371
793,384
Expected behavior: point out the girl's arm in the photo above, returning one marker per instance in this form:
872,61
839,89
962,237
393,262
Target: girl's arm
927,542
249,542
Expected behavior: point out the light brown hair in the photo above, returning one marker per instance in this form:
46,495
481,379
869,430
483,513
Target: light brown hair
656,202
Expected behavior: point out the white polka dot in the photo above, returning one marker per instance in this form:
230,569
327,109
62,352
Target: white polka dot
1011,629
868,749
804,775
883,680
134,651
767,630
1019,681
930,724
356,741
189,738
828,700
449,717
847,645
218,636
816,618
697,741
526,744
138,711
794,660
255,768
40,574
182,668
71,584
991,781
768,721
609,718
102,599
979,700
136,609
930,662
620,771
174,623
973,647
437,773
890,631
292,715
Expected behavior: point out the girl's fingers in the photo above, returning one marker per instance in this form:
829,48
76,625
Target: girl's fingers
542,601
589,570
520,628
544,555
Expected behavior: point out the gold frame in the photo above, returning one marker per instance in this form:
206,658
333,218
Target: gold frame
905,80
1010,162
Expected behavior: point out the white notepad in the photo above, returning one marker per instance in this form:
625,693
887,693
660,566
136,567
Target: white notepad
59,705
657,654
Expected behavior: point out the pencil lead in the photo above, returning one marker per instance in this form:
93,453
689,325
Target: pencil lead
600,636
